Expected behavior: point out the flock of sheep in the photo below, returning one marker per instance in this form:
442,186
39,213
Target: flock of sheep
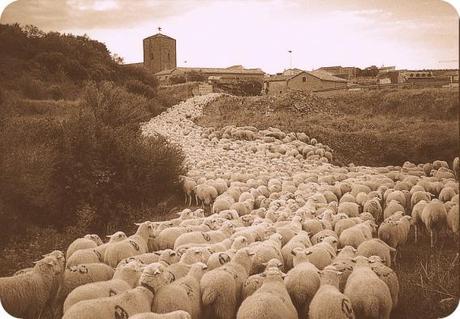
286,234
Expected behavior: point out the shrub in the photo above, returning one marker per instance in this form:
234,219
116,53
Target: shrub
195,76
113,106
138,87
177,79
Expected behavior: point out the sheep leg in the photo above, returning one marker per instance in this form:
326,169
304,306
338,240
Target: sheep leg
415,233
432,239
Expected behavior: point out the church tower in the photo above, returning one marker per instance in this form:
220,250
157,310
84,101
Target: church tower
159,52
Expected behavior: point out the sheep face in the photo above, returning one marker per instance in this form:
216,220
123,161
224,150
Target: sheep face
49,266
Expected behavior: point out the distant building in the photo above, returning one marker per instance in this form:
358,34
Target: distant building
390,77
304,81
159,53
347,73
385,69
233,73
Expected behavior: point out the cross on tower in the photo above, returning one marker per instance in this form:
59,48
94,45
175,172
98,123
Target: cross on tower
159,29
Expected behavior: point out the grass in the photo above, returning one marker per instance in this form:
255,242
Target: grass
375,128
428,279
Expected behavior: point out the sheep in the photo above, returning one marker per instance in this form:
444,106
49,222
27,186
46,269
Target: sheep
388,276
270,301
434,216
221,287
222,202
26,295
128,303
356,234
124,278
418,196
446,194
395,233
346,223
456,167
301,240
182,294
134,245
178,314
376,247
94,255
393,207
453,219
370,296
88,241
167,237
374,207
188,185
329,302
302,281
210,237
190,257
397,196
265,251
167,256
256,281
351,209
76,276
205,194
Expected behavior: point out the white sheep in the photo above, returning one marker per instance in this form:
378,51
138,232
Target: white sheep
329,302
128,303
256,281
210,237
388,276
182,294
302,282
188,185
88,241
134,245
126,277
188,258
178,314
167,237
391,208
221,287
26,295
370,296
265,251
205,194
374,207
453,219
269,301
434,216
376,247
351,209
357,234
299,241
76,276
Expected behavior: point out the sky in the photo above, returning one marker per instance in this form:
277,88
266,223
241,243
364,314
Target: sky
409,34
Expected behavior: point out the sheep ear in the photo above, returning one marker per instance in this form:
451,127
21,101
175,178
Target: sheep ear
283,275
308,252
137,224
353,260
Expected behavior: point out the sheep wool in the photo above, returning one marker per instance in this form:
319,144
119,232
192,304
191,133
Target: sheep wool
26,295
269,301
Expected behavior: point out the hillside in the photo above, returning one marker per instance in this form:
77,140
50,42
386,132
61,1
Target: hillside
385,127
72,159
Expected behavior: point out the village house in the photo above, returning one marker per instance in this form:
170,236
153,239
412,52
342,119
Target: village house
304,81
233,73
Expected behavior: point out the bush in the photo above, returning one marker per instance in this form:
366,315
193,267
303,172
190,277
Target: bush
195,76
241,88
137,87
177,79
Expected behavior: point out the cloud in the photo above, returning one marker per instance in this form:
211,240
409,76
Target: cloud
59,15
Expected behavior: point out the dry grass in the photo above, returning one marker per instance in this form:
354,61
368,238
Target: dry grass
428,279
